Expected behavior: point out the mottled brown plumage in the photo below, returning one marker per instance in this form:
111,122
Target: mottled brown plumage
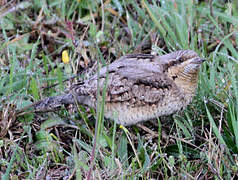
140,87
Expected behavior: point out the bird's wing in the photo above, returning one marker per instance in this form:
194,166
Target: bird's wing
138,87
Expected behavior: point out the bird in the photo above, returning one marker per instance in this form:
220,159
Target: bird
136,87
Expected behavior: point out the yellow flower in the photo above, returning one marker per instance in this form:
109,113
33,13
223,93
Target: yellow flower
65,57
124,129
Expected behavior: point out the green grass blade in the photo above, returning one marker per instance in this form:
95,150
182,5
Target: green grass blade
34,88
214,127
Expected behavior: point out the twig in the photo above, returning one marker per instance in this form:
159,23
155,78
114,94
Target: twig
211,9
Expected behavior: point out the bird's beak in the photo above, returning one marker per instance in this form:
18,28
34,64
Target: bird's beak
199,60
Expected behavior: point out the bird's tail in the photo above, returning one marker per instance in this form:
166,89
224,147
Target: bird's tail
49,104
53,103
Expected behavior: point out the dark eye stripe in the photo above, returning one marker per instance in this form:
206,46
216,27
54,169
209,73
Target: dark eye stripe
180,59
175,62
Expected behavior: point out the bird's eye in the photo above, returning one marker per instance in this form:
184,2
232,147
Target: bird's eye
180,59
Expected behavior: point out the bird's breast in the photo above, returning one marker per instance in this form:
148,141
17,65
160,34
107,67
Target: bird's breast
125,114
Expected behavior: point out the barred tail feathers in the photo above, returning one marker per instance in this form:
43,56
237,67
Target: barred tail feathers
54,103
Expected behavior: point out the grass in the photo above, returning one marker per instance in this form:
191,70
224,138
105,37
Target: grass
198,143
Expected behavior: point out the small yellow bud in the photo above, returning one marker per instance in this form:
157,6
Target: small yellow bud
65,57
124,129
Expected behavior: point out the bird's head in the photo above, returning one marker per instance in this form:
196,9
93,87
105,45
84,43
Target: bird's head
182,67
